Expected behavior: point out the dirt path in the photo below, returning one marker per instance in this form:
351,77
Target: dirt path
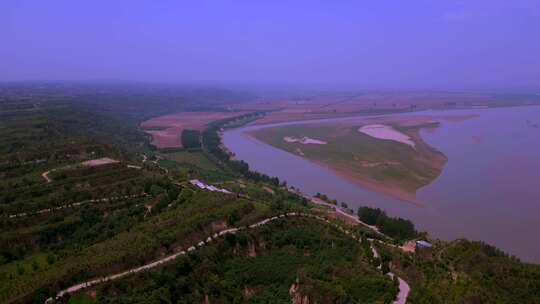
404,290
202,243
71,205
45,175
404,287
352,217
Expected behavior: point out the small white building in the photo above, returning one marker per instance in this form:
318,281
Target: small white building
198,183
425,244
212,188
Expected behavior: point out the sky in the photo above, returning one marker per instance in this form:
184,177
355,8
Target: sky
431,44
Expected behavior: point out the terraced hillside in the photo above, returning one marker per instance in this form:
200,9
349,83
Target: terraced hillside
52,204
291,260
84,197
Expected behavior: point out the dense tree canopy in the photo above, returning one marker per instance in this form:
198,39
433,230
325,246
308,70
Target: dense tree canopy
398,228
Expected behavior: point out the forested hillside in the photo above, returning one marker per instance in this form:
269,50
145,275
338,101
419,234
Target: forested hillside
83,196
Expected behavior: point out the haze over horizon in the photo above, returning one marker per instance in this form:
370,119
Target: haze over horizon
376,44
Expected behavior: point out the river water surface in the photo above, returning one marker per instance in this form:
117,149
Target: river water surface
489,189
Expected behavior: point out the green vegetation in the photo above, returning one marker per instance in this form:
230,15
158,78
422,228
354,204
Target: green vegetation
465,272
91,221
270,264
385,165
194,159
191,140
92,245
88,222
398,228
212,144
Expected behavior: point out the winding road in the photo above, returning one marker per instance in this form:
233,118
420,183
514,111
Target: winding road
401,298
352,217
404,287
76,204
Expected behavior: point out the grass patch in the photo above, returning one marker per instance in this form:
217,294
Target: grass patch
198,159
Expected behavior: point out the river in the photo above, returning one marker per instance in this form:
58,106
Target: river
489,189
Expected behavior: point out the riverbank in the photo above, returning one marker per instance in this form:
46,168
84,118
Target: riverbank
478,184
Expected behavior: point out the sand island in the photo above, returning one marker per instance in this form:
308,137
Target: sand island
385,154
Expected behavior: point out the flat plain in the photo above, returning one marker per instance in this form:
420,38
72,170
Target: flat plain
166,130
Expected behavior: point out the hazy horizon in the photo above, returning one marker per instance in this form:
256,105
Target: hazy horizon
452,45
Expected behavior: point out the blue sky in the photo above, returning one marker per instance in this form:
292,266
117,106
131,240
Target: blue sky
432,44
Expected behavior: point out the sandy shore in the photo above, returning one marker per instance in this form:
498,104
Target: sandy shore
304,140
387,133
372,185
387,189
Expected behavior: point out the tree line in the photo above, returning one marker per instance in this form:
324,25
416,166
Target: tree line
212,144
191,140
395,227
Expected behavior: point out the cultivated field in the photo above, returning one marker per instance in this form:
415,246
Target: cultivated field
327,105
166,130
199,159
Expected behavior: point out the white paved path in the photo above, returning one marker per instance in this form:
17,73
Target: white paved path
173,257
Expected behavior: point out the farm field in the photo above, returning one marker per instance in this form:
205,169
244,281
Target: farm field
198,159
333,105
166,130
47,156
